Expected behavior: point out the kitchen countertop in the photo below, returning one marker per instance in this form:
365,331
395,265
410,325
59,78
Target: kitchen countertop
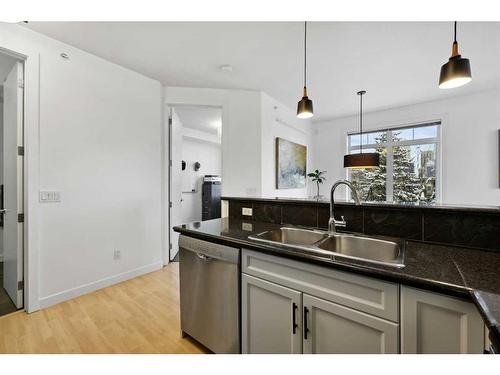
466,273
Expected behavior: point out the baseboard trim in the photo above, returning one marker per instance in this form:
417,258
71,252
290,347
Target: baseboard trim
96,285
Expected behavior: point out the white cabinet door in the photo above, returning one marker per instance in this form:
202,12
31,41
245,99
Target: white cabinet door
269,312
330,328
434,323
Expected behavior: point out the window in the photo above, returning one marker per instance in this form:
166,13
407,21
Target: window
408,170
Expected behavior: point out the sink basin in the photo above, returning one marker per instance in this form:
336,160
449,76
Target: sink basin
363,248
291,236
324,244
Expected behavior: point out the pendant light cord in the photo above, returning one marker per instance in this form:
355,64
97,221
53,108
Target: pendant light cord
455,33
361,124
305,53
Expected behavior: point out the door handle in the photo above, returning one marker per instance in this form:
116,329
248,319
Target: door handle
306,330
294,318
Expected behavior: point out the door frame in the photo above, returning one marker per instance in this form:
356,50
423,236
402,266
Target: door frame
31,174
169,105
169,118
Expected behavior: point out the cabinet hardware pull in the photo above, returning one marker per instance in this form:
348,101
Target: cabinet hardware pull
294,318
306,330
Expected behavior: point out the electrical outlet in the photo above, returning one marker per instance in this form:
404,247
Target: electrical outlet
247,227
117,255
246,211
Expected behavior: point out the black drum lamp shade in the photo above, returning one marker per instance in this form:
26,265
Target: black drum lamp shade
361,160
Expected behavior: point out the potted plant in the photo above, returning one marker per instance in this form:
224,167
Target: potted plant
318,178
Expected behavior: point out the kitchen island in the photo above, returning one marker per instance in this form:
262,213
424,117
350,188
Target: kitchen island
466,274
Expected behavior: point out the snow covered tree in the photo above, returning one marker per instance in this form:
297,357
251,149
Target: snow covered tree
370,183
408,186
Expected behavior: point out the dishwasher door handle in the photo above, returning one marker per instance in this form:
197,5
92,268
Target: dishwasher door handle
203,257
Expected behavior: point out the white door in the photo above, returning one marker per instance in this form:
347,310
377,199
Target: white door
330,328
271,318
13,184
175,180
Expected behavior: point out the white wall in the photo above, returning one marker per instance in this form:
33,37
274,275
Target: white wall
241,134
469,143
208,154
1,166
280,121
100,145
249,129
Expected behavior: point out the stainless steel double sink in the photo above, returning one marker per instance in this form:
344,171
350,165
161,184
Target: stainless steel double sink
331,245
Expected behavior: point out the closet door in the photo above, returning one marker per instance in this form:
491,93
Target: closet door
13,184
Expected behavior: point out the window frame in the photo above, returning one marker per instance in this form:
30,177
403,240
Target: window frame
390,144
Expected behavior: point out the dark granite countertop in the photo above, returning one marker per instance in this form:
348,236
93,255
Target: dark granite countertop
489,306
413,206
465,273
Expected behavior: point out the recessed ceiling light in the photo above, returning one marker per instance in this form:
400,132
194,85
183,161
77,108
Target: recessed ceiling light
226,68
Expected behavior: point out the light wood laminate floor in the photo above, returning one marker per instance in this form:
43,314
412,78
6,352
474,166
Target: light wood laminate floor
137,316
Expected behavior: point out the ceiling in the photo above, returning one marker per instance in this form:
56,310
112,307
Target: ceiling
206,119
396,62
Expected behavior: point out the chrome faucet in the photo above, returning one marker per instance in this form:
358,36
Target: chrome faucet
332,222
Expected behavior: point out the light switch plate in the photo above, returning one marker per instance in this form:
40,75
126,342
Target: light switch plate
50,196
246,211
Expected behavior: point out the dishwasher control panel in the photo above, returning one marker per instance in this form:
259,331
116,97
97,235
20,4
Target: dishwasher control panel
210,249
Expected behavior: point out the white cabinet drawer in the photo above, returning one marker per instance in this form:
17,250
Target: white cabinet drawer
379,298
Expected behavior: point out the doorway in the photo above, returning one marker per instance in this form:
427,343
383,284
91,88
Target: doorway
11,184
195,181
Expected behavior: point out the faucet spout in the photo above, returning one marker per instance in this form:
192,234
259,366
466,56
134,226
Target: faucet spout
332,222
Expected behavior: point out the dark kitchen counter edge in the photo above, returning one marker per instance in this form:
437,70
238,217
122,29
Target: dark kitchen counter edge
359,268
488,304
415,207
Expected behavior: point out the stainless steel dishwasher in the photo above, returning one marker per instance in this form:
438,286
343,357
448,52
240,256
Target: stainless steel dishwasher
210,294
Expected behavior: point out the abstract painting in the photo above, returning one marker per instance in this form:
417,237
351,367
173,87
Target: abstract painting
291,160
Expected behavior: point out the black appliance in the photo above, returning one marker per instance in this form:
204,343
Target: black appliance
210,197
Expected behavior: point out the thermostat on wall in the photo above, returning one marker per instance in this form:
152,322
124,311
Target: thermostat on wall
50,196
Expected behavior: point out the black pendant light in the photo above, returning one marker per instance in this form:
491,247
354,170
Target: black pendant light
305,106
366,160
456,72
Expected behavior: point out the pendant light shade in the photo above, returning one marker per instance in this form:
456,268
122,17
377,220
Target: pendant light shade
305,105
456,72
361,160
